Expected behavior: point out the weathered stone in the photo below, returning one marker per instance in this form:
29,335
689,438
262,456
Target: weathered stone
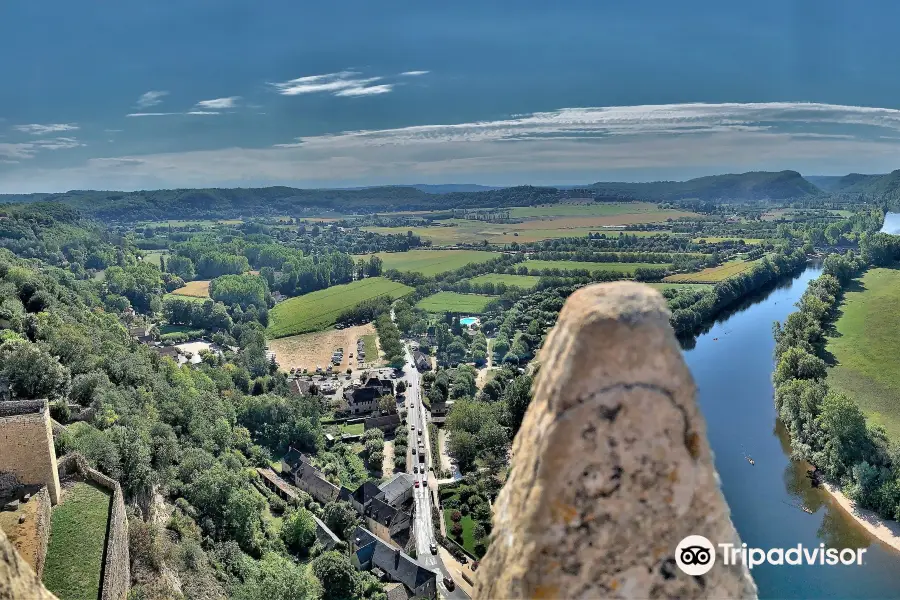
17,579
611,467
11,506
27,442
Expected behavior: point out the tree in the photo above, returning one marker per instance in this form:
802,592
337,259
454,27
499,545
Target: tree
464,449
182,266
32,372
516,398
298,530
387,404
278,578
401,387
341,518
337,576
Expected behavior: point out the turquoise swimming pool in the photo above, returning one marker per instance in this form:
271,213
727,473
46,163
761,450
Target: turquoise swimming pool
467,321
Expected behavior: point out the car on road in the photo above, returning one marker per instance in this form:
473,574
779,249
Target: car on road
415,469
449,584
420,431
414,449
412,427
416,484
433,548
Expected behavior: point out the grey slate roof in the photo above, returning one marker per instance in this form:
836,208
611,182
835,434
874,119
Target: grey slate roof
380,511
397,486
396,564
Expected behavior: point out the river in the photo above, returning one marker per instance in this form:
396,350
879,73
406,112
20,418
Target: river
732,366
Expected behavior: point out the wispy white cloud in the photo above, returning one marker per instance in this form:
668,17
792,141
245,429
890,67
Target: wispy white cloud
366,91
342,83
152,114
572,144
414,73
202,112
151,98
38,129
219,103
27,150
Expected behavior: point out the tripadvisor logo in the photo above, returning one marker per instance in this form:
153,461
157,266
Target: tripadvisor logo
696,555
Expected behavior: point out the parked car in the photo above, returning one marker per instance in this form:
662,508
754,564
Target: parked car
433,548
449,584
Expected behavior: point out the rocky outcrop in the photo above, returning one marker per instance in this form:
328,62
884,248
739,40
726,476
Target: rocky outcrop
17,579
611,468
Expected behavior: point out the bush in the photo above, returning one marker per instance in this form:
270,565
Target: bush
456,530
456,516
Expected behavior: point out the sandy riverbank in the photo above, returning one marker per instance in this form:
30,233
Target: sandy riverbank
882,529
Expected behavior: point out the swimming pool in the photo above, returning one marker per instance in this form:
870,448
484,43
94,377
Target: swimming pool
468,321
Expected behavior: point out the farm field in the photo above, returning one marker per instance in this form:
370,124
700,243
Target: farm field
153,256
318,310
77,540
432,262
595,209
698,287
866,348
311,350
526,282
714,240
573,265
712,274
370,345
197,289
454,302
180,297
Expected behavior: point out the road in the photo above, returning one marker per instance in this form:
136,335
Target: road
422,525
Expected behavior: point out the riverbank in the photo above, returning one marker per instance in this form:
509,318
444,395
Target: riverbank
884,530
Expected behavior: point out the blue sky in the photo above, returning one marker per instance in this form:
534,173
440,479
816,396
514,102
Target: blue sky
131,95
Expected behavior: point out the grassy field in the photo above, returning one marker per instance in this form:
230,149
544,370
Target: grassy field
77,540
715,240
594,209
153,256
320,309
572,265
453,302
180,297
526,282
867,348
681,286
712,274
432,262
370,347
355,429
197,289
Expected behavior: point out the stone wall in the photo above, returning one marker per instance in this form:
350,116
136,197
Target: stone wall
116,570
17,579
27,442
611,468
42,528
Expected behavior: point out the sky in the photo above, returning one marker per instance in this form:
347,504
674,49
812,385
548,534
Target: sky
199,93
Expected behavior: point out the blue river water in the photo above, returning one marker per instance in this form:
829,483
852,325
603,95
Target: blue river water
732,366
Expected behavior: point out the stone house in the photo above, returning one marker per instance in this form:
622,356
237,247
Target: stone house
391,564
305,476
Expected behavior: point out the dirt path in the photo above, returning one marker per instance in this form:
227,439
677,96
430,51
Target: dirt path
443,447
387,466
311,350
481,377
24,535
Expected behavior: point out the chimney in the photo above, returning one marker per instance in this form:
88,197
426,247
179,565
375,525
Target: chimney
396,558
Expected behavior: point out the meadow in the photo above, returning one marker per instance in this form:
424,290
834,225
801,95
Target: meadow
526,282
317,310
153,256
572,265
866,348
77,540
197,289
712,274
431,262
454,302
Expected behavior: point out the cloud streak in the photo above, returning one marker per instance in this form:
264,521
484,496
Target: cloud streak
27,150
219,103
414,73
151,98
567,145
38,129
342,83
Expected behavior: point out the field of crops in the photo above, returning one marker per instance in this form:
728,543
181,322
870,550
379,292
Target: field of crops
453,302
526,282
432,262
197,289
712,274
317,310
572,265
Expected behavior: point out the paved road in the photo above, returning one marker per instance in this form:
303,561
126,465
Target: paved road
422,525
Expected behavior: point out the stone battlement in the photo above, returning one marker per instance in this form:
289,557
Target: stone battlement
26,440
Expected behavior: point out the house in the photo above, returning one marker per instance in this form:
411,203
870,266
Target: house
325,536
168,352
386,521
382,506
391,565
361,400
439,411
385,387
398,489
277,485
422,362
361,497
307,477
386,423
142,333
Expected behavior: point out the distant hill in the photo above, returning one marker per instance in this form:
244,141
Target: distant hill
446,188
755,185
842,183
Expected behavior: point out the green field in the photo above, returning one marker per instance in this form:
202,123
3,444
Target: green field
432,262
453,302
77,540
526,282
682,286
182,297
867,348
712,274
594,209
355,429
572,265
153,256
317,310
370,347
